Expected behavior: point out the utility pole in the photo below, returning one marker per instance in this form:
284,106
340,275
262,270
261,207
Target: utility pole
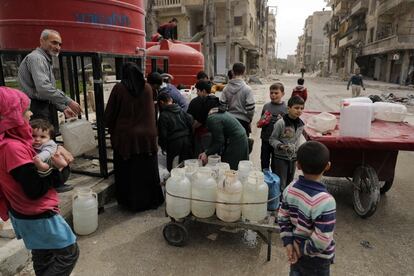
206,36
266,59
149,19
228,35
210,33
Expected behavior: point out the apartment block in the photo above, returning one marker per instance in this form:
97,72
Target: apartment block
248,29
376,36
312,48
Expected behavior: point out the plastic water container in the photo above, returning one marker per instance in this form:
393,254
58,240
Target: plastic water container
78,136
355,100
178,185
229,191
221,169
255,190
85,211
244,168
355,120
212,160
322,122
273,183
390,112
204,187
191,166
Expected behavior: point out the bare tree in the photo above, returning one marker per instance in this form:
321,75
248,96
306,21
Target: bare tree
150,22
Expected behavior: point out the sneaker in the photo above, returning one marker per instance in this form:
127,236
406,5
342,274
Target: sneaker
63,188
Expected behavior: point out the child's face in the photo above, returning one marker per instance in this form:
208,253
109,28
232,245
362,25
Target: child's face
295,111
40,137
276,95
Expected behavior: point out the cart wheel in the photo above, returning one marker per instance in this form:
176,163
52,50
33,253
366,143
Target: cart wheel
175,234
366,191
386,187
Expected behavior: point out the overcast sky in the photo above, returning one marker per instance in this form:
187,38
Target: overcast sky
290,20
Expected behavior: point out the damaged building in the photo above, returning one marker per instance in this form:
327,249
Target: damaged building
376,36
252,34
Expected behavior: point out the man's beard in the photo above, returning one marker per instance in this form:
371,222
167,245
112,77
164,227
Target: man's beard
53,54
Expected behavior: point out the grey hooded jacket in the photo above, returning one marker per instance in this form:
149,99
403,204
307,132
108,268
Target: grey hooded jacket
237,96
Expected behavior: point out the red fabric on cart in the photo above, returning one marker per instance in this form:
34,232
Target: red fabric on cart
384,135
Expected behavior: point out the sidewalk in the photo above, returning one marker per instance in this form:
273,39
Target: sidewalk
13,254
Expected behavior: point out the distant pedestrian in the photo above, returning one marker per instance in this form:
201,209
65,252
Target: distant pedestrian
300,90
38,82
307,215
357,83
302,71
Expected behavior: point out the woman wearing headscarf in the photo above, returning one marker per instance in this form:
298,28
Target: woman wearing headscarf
30,201
130,118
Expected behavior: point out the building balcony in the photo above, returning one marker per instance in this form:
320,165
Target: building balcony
340,9
389,44
391,6
360,6
166,4
348,40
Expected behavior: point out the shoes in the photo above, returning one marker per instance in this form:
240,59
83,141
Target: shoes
63,188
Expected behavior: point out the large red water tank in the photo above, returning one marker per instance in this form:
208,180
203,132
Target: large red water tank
108,26
185,61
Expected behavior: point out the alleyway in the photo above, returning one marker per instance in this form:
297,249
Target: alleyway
129,244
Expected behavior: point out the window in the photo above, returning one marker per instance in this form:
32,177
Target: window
238,20
371,35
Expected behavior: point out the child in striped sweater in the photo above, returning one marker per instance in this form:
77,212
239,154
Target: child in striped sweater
307,215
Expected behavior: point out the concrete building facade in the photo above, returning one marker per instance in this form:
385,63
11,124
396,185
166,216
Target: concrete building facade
312,47
375,35
249,29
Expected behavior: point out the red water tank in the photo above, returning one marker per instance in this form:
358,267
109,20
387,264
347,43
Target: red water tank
108,26
184,60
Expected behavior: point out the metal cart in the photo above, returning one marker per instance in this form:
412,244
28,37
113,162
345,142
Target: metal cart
369,161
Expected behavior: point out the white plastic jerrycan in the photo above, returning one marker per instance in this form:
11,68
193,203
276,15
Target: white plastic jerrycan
244,168
355,120
85,211
254,191
178,185
78,136
204,187
229,191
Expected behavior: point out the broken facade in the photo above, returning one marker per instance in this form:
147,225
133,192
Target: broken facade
376,36
249,29
312,49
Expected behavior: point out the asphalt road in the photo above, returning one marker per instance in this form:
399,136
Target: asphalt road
132,244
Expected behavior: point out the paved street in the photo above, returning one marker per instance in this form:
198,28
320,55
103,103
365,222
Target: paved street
132,244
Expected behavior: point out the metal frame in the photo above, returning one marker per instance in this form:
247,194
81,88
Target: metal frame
73,81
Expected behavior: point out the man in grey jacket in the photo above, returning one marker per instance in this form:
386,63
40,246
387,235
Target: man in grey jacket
38,82
238,99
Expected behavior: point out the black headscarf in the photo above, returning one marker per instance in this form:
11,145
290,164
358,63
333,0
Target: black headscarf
132,78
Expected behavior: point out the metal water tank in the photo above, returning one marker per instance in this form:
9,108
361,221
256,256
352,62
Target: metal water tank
185,60
108,26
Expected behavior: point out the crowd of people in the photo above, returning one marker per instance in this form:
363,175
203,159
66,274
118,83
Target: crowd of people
143,115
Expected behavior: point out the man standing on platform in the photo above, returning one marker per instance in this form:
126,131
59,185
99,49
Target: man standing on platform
38,82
